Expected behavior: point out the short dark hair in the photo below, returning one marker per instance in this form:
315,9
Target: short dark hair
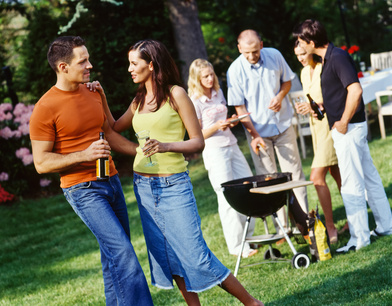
61,49
311,30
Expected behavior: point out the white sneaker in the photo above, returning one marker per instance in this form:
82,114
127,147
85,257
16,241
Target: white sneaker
346,249
375,234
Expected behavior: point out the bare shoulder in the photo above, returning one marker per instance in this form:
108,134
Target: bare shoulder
180,96
178,92
133,106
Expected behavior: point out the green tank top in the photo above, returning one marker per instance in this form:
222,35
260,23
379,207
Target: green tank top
165,125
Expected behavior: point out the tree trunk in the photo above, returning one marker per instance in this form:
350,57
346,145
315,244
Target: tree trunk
188,36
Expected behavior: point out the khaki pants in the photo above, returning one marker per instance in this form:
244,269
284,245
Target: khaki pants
286,148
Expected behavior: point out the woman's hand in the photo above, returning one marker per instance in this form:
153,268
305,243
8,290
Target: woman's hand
303,108
233,124
222,125
153,146
95,86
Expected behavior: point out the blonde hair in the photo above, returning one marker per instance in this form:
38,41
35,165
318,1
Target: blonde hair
194,86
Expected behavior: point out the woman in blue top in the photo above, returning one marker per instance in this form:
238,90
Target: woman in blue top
171,224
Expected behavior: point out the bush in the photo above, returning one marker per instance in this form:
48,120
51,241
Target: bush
17,173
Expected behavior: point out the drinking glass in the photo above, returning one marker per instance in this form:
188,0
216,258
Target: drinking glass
362,66
300,100
142,137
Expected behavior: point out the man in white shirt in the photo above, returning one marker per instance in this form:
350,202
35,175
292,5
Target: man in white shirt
258,82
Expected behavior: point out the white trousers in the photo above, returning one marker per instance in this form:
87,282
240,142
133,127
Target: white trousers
223,165
286,149
361,181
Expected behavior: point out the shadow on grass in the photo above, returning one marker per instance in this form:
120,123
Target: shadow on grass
360,285
388,191
43,243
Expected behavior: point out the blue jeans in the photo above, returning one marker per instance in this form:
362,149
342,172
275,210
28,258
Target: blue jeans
172,229
101,206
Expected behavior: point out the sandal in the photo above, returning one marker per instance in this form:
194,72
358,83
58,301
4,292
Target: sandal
344,228
251,253
333,239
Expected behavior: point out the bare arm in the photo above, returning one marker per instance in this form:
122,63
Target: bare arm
46,161
219,125
354,94
187,112
124,122
276,102
118,142
247,123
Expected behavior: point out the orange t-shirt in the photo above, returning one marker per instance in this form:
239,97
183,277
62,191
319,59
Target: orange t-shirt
72,120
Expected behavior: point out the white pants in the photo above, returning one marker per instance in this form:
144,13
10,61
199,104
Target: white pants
361,181
286,149
223,165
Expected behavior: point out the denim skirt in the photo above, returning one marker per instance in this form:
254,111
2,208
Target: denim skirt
171,226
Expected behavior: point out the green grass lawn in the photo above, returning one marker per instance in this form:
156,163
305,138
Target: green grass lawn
49,257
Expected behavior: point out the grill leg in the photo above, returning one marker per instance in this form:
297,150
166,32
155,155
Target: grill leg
285,234
237,266
269,245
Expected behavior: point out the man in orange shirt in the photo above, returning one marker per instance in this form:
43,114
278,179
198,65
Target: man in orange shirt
64,132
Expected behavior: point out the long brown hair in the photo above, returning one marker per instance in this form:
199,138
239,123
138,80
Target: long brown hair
164,75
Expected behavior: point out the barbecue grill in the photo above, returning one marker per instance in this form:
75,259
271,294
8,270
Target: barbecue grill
261,196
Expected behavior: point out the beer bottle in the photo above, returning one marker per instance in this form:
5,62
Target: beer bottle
102,165
315,108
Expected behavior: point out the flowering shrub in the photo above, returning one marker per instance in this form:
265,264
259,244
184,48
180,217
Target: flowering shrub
5,196
17,171
353,49
354,52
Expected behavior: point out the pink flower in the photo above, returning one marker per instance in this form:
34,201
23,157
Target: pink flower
6,133
27,159
22,118
17,134
24,129
20,153
4,107
19,109
23,113
3,177
5,116
44,182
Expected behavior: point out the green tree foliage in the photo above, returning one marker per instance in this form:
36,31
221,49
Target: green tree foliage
109,31
34,76
369,25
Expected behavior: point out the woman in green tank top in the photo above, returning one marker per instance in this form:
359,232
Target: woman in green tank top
171,224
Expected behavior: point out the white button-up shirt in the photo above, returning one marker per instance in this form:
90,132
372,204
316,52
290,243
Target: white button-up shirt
255,85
